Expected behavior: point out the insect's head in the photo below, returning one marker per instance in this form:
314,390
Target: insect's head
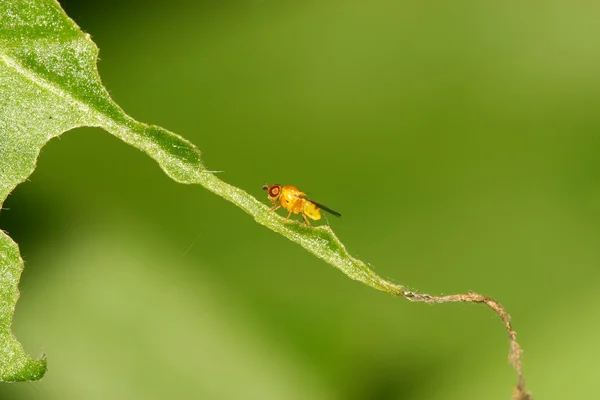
273,191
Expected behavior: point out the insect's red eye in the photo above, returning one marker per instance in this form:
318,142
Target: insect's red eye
274,191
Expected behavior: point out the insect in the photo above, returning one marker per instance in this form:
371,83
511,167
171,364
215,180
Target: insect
295,201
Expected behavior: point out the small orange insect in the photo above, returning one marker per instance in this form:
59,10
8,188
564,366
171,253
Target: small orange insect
296,202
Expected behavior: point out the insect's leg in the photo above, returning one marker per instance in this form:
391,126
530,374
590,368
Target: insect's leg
288,217
306,220
275,207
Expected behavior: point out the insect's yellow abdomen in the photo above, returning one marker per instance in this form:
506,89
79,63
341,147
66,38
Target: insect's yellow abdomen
312,211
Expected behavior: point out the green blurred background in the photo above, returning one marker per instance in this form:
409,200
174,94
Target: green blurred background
460,140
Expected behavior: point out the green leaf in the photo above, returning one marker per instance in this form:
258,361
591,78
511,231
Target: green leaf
49,84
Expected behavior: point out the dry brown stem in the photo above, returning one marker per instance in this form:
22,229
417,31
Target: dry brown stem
515,353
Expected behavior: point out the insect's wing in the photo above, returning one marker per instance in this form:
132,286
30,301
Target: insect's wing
329,210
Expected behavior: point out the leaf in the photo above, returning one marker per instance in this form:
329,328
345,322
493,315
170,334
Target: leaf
49,84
